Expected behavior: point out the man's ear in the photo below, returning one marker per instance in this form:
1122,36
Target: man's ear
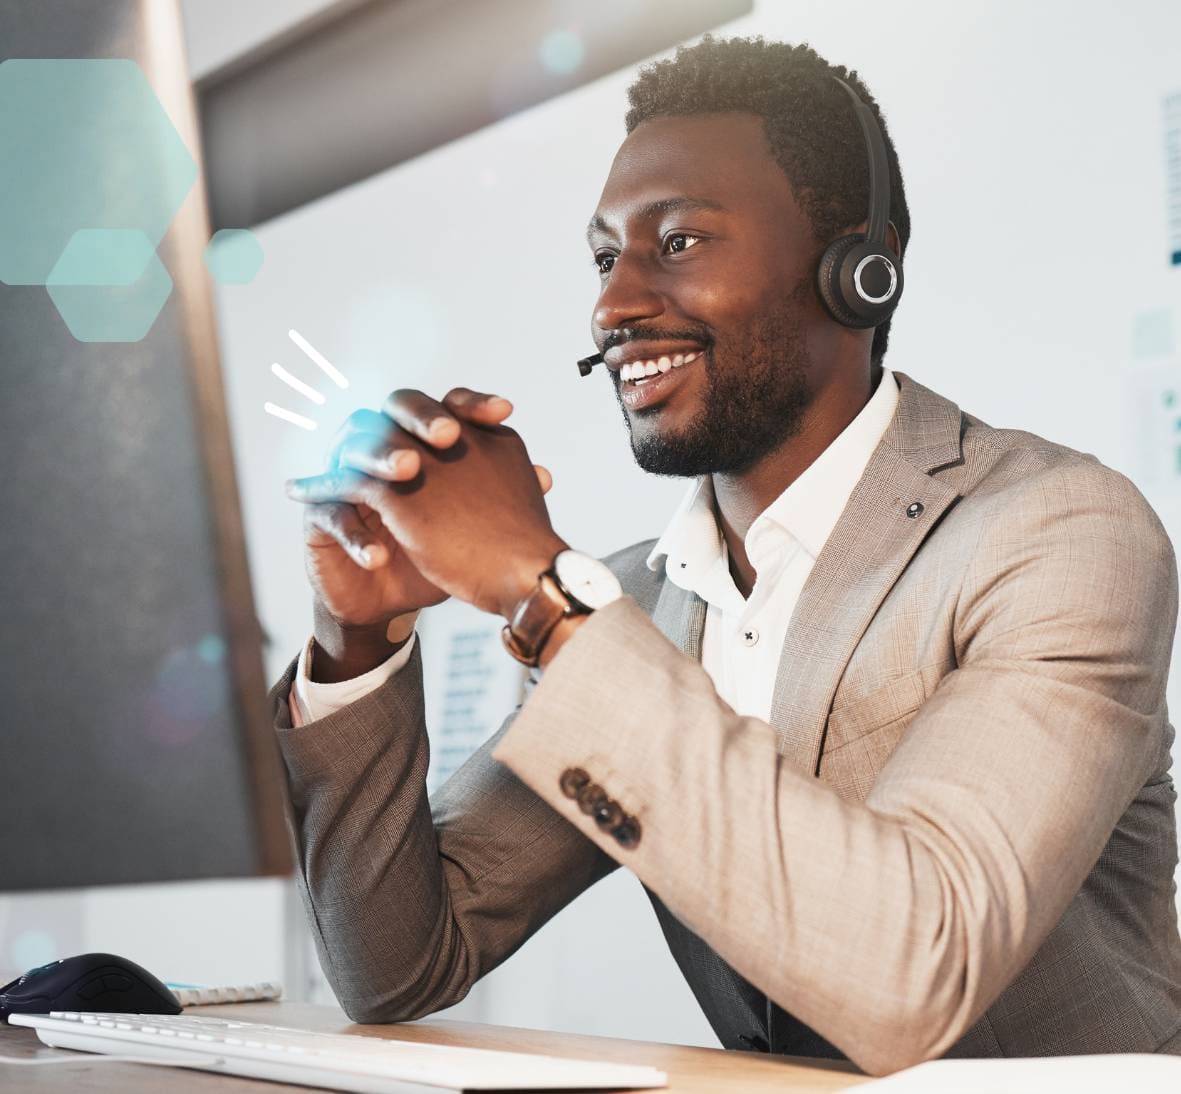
892,240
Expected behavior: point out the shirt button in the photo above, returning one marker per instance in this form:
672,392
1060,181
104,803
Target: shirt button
750,636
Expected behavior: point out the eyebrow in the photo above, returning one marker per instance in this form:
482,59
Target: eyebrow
655,208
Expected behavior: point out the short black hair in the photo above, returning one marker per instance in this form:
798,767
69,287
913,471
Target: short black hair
808,118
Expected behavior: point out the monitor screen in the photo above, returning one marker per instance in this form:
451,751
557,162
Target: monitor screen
135,744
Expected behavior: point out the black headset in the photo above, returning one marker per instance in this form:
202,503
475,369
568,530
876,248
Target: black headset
859,278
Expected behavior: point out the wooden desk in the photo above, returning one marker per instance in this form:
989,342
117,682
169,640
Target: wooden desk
690,1070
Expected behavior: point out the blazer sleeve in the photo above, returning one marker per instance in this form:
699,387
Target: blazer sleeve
410,902
890,926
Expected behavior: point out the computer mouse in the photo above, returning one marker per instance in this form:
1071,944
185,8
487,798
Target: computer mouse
90,981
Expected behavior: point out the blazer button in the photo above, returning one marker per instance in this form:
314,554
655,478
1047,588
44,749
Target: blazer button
572,781
590,797
627,832
608,815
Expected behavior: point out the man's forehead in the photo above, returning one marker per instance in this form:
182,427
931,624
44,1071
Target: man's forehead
719,159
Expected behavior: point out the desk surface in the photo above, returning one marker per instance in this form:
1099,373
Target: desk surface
690,1070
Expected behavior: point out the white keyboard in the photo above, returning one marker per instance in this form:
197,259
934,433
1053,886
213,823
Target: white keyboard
190,995
337,1061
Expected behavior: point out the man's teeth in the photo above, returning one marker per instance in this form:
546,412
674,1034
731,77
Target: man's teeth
642,370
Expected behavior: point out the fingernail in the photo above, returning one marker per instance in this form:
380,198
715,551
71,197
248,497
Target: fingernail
369,555
398,461
439,426
500,404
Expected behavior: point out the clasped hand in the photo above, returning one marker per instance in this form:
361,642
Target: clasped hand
422,501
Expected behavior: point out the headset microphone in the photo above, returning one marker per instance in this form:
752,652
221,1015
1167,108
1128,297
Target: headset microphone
859,278
587,363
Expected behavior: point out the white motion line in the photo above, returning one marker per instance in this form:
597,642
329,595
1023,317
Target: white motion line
320,360
305,390
289,416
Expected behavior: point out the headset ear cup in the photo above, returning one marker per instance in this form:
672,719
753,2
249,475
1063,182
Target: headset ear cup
828,281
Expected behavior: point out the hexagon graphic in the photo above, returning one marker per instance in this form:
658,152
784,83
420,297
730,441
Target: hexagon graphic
109,285
233,256
86,144
102,256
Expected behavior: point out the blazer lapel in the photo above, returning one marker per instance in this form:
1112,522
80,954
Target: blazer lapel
872,543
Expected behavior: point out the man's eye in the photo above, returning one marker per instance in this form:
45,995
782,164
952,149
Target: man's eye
600,259
683,239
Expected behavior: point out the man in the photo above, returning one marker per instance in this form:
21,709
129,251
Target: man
880,721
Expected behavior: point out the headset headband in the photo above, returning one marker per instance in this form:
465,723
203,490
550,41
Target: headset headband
879,169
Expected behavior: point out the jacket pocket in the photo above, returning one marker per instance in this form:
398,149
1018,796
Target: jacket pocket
884,706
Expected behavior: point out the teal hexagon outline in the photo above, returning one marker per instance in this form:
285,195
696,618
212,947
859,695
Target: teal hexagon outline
87,144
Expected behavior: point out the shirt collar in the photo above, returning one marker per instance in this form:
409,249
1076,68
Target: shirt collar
808,509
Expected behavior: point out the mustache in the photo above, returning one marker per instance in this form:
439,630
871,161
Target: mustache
625,335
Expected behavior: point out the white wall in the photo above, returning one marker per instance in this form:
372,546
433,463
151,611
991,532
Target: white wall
1031,141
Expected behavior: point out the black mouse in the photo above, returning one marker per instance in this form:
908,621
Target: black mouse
90,981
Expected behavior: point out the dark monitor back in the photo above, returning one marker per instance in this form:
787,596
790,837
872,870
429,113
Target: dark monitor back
134,744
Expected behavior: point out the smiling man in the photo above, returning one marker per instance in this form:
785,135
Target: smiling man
878,720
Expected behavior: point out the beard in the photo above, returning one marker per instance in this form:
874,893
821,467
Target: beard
756,395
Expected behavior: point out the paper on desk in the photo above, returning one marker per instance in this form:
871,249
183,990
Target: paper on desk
1044,1075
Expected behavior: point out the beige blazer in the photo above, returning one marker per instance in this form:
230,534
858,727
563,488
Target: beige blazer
955,836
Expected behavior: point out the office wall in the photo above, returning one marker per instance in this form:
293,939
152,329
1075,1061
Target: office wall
1032,140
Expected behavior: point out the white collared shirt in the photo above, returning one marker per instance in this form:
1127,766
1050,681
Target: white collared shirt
743,639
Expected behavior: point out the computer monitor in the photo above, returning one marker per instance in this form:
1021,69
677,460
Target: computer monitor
134,741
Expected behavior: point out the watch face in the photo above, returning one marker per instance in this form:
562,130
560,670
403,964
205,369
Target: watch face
587,579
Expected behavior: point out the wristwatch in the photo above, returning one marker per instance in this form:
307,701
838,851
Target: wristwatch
574,584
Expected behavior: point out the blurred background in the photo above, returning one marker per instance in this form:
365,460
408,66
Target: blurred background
1041,149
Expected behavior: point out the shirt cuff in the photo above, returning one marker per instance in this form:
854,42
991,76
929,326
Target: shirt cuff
310,701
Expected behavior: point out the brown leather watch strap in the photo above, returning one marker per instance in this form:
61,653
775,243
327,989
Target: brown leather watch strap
535,619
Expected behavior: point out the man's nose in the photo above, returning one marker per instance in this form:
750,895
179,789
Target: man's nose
628,295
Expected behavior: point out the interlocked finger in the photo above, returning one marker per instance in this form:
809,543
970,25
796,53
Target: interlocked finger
360,421
392,455
342,522
477,406
339,484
